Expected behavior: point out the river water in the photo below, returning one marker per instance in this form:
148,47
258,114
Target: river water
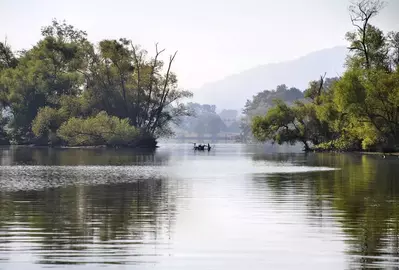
235,207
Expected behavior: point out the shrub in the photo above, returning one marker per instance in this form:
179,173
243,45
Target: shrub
101,129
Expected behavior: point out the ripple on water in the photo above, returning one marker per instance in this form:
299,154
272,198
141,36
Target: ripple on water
38,177
225,210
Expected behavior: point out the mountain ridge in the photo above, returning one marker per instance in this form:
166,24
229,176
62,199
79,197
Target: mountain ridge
298,72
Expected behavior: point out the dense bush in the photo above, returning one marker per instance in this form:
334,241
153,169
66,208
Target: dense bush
101,129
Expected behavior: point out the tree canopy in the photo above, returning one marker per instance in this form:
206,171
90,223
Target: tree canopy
64,77
262,102
359,110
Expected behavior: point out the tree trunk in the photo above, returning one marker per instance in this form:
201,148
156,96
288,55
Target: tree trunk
306,147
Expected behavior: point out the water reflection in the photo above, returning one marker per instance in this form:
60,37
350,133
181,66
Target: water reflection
61,215
363,197
232,208
75,156
83,224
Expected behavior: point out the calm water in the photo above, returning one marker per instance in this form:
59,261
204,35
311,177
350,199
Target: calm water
235,207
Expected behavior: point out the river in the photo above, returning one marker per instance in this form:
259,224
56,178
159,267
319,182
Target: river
235,207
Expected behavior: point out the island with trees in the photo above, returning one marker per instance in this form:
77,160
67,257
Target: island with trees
67,91
358,111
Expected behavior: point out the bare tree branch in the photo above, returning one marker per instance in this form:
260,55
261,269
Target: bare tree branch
361,13
165,92
154,66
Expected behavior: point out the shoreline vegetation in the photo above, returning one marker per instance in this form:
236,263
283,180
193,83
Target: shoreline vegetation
67,91
373,153
357,112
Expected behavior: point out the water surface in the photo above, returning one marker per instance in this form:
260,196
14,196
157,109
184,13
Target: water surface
235,207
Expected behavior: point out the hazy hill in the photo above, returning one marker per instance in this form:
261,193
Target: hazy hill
233,91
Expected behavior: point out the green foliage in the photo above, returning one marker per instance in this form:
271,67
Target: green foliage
64,76
266,98
360,110
282,124
7,57
262,102
46,123
128,84
344,143
101,129
370,98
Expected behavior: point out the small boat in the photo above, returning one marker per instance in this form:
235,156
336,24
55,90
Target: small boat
201,147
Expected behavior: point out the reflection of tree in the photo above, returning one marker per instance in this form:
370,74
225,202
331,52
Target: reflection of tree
83,222
76,156
364,195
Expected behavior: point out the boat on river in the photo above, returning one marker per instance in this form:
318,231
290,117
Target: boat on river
202,147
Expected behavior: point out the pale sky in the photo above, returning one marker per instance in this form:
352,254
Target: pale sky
215,38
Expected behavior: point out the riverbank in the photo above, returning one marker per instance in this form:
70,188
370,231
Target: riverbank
381,153
139,142
142,145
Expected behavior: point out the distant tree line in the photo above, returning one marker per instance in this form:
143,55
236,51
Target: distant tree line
66,90
359,110
204,119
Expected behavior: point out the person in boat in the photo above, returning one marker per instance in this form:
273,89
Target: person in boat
197,147
202,147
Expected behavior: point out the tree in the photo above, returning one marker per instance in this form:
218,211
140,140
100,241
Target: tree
46,124
393,39
367,42
368,93
66,75
283,124
43,74
371,98
360,110
262,102
7,57
127,84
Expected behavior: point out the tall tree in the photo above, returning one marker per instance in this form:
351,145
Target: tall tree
367,42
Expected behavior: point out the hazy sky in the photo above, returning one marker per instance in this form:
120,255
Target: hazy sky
215,38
